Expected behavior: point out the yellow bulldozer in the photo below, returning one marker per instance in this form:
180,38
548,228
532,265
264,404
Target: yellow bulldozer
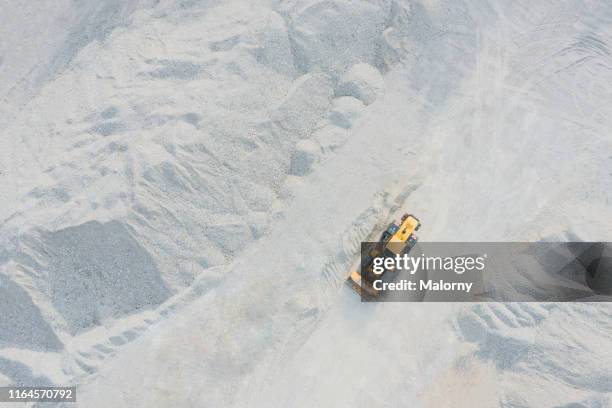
397,239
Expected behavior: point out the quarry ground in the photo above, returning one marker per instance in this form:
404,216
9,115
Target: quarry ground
186,184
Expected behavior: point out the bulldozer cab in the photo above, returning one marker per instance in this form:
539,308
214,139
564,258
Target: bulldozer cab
403,237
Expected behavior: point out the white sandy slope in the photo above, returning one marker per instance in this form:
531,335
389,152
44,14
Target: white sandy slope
176,141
